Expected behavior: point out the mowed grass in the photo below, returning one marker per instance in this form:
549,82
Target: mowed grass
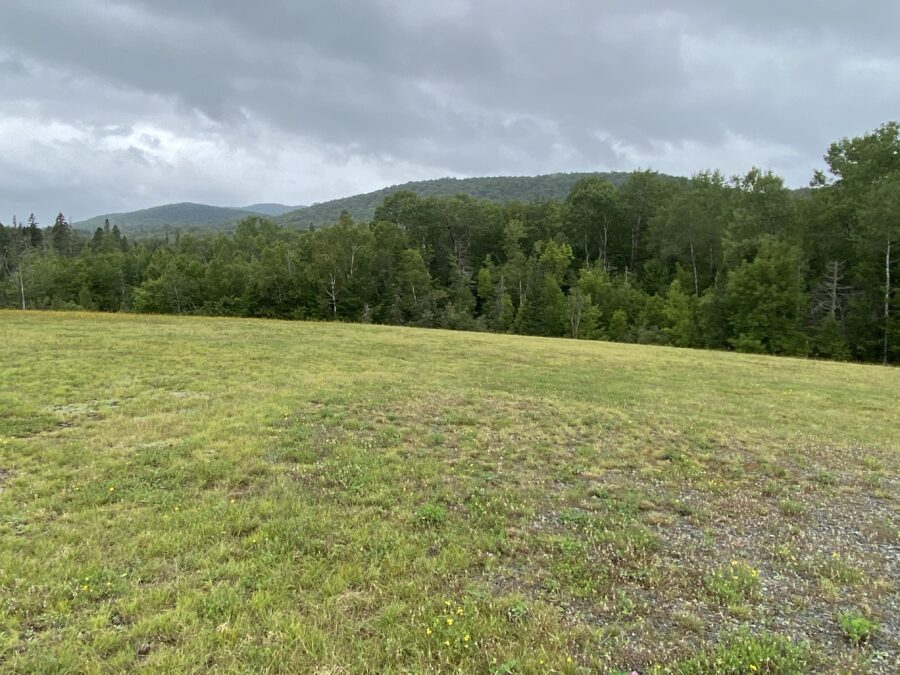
225,495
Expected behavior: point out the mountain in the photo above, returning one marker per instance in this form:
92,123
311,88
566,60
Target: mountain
157,218
188,216
268,209
493,188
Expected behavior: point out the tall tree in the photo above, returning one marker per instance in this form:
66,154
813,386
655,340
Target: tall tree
641,197
766,301
688,229
340,265
592,220
880,220
35,234
62,238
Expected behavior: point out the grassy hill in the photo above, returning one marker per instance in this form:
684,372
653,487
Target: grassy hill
497,188
248,496
185,215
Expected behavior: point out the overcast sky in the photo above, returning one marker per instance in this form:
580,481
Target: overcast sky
114,105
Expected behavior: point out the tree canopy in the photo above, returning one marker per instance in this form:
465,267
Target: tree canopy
740,263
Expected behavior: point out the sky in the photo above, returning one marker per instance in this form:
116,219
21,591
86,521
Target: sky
115,105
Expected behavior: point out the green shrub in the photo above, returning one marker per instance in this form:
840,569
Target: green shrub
856,627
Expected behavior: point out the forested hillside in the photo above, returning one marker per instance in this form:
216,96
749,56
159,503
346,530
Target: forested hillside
740,263
496,189
193,218
185,215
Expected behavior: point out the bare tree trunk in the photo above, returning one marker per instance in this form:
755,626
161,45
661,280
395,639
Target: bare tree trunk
353,249
835,278
635,238
603,243
332,293
694,265
575,308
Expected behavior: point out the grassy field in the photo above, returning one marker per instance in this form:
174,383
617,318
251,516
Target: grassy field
191,494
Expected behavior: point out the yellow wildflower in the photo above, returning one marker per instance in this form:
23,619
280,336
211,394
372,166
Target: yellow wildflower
466,638
449,622
427,631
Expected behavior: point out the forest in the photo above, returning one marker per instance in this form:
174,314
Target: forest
740,263
492,188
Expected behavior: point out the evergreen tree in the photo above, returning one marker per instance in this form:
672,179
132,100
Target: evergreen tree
680,320
35,234
62,238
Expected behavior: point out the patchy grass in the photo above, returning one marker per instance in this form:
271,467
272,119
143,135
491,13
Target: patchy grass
856,626
182,494
734,584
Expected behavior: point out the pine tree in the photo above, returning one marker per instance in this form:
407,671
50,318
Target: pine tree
35,235
62,238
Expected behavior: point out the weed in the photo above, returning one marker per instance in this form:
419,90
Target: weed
834,568
792,507
690,621
857,628
733,584
743,653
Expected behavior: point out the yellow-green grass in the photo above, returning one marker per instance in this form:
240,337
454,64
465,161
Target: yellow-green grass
227,495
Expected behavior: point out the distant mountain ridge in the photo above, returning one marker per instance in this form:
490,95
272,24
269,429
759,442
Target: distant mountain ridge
270,209
492,188
202,217
186,215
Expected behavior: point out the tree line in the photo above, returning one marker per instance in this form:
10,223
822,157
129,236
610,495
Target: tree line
741,263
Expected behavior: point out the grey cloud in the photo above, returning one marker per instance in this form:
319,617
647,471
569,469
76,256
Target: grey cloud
459,86
13,67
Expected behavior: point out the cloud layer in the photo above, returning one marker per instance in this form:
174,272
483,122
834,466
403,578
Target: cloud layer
115,105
